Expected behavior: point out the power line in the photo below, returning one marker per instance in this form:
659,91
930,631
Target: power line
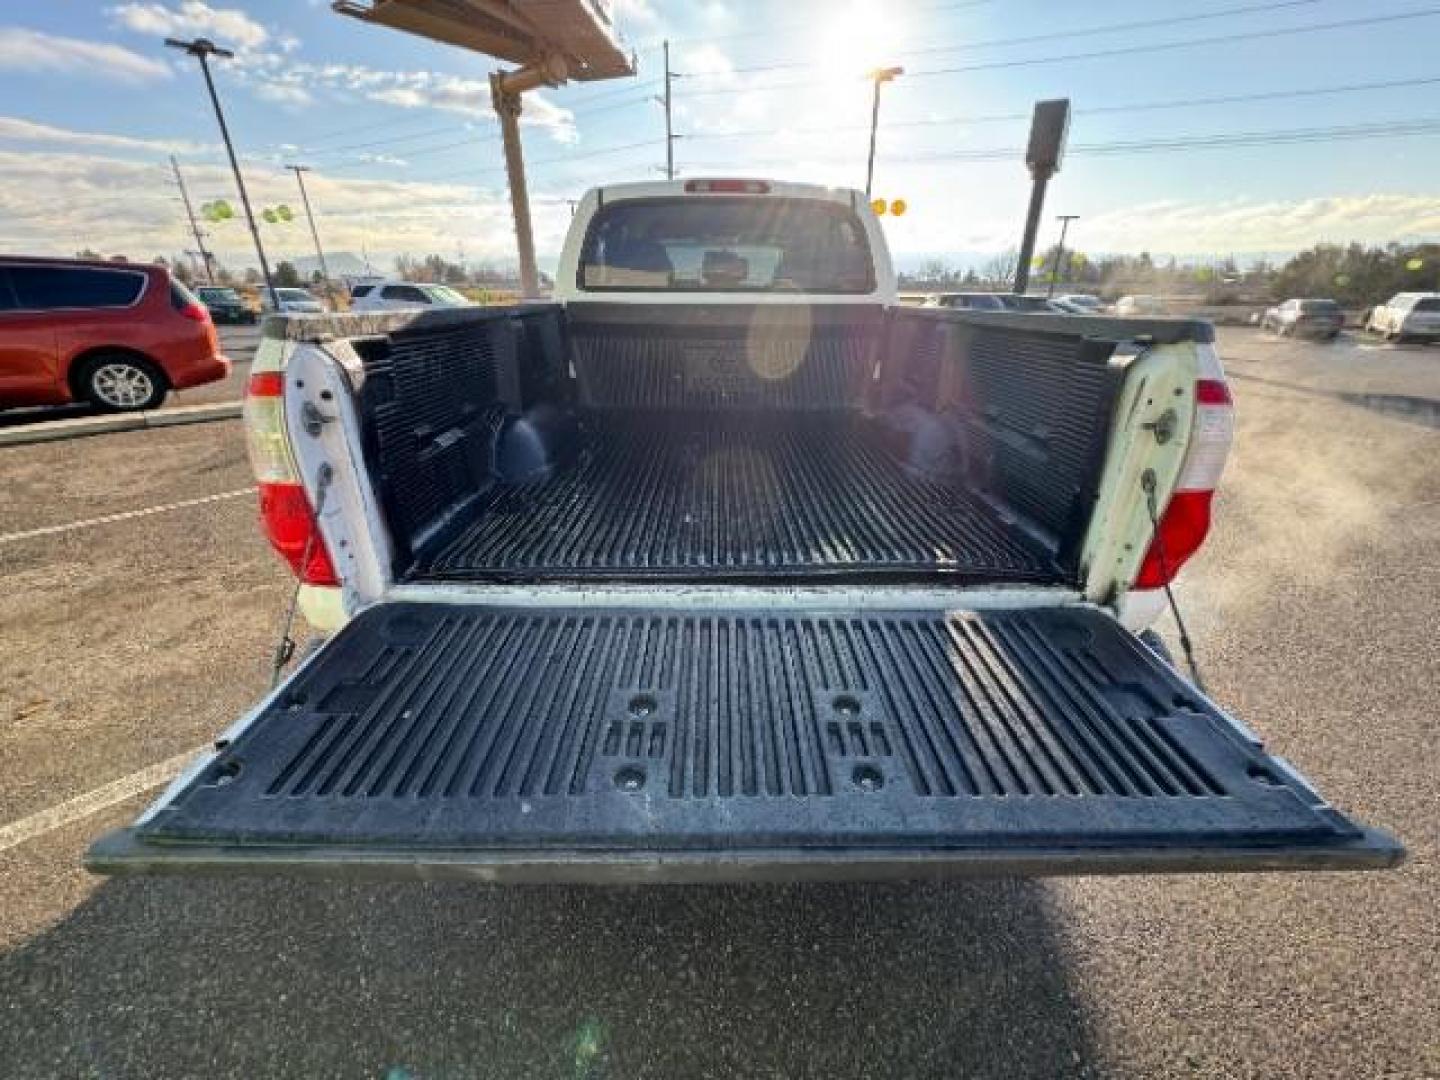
449,128
806,24
1148,106
360,129
983,154
627,88
1217,140
647,144
1121,51
1143,24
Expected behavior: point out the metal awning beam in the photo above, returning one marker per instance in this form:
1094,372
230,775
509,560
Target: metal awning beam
522,32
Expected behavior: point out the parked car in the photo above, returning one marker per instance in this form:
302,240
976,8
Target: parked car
360,286
966,301
1298,318
1069,307
725,567
406,296
1407,315
1139,306
292,301
1034,304
118,335
225,304
1090,304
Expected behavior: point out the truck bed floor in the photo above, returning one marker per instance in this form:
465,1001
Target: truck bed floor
660,499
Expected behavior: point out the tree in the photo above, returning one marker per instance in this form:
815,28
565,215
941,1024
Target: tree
286,276
182,268
999,270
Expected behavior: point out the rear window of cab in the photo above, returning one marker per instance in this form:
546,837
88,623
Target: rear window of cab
718,244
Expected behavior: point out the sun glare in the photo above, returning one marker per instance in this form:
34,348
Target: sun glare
860,37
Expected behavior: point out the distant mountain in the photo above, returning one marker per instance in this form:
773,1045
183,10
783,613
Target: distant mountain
340,264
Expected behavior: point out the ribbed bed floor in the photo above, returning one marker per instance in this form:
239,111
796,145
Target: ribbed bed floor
813,496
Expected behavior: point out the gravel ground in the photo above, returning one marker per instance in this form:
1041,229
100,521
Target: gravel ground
1313,607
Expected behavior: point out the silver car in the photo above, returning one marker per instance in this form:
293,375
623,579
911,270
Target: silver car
1407,315
1297,318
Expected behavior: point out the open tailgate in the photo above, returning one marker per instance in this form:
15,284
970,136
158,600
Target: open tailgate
598,745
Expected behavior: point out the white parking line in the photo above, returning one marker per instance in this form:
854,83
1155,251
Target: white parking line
51,530
82,806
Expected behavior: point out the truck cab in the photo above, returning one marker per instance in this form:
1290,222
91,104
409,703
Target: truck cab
724,566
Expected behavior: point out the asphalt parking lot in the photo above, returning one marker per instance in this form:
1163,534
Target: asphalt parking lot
128,642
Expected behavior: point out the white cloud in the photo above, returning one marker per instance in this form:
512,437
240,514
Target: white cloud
14,129
230,27
283,91
60,202
1264,225
34,51
432,90
631,13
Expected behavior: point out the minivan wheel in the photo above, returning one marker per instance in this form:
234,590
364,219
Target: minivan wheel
115,382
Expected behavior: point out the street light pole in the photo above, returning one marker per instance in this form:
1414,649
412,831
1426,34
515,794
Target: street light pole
300,171
1064,220
878,76
202,49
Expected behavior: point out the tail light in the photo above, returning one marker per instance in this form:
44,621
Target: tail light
286,516
1185,521
727,187
187,303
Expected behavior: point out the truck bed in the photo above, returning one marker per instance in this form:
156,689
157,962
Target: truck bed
670,497
602,744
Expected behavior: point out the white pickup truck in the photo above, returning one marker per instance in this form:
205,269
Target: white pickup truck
724,566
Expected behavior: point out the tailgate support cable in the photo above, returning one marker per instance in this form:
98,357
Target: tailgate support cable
285,647
1147,481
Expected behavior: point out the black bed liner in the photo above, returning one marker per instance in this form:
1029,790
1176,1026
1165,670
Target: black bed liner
662,498
599,744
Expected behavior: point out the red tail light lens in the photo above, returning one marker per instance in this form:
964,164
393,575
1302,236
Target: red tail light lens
1182,530
1212,392
196,311
290,527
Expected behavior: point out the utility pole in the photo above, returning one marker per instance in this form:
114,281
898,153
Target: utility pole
300,171
670,135
202,49
205,255
1064,220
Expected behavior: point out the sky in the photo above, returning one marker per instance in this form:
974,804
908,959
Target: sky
1201,128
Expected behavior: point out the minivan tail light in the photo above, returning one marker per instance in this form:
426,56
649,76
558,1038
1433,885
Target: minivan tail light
1185,522
196,311
293,532
727,187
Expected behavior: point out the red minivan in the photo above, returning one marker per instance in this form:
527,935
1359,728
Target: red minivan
118,335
